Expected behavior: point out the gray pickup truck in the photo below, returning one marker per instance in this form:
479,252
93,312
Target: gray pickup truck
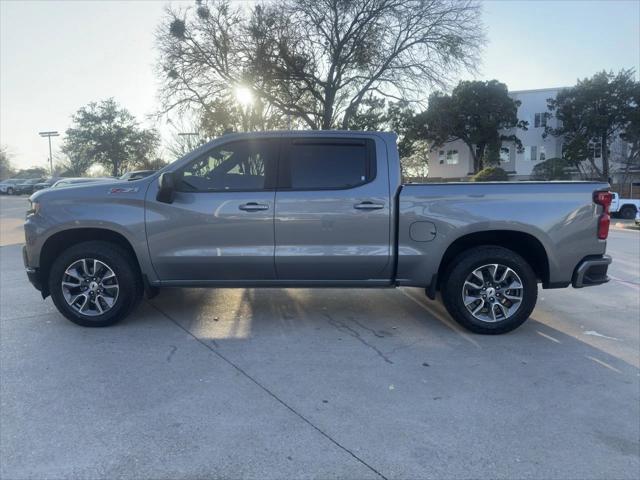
314,209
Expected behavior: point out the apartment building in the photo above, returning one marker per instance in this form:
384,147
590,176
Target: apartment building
453,161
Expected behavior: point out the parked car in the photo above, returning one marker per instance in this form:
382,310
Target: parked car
624,207
637,221
26,186
70,182
46,183
314,209
137,175
8,186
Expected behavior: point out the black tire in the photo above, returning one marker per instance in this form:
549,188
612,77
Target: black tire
628,212
119,261
9,191
463,266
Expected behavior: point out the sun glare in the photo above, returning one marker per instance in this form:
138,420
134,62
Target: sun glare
244,96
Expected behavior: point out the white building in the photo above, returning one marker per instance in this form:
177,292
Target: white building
454,160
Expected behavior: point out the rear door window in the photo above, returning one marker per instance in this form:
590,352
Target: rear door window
327,164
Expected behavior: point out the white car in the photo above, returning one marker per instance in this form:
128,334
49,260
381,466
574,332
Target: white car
8,186
624,207
638,219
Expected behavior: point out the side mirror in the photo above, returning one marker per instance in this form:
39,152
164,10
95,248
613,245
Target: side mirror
166,187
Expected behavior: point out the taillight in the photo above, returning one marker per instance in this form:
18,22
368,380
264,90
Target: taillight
603,198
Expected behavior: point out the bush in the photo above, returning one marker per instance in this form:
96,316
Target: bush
490,174
552,169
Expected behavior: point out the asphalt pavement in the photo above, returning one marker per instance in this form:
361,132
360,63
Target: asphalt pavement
287,383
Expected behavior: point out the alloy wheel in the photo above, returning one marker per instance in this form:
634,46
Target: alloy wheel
492,293
90,287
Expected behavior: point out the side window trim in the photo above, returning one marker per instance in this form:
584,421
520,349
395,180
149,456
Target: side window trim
284,165
270,173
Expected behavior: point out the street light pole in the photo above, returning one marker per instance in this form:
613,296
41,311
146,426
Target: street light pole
188,136
49,135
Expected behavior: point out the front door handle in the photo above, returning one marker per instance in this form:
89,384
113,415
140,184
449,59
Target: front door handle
368,206
253,207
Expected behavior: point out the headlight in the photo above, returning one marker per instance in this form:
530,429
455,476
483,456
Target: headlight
34,208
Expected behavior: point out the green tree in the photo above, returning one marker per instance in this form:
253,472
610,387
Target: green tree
74,164
314,61
105,133
6,170
631,135
594,113
478,113
33,172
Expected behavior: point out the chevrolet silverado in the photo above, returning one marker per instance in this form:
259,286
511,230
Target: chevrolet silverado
314,209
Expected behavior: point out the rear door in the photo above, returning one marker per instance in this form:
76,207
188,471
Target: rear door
332,219
220,224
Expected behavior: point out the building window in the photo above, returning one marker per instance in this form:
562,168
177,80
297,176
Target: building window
452,157
540,120
505,154
531,153
594,150
441,157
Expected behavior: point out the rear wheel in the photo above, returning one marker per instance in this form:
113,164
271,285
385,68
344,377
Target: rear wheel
628,212
490,290
10,191
94,284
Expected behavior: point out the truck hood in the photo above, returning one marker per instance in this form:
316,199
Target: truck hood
96,189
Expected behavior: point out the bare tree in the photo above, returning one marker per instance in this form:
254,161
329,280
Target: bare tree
6,169
315,61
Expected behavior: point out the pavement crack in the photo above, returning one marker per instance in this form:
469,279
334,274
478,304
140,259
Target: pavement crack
267,390
355,334
368,329
173,350
403,347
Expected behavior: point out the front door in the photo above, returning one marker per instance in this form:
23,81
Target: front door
332,217
220,225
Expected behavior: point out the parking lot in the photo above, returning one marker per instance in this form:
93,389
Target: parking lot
288,383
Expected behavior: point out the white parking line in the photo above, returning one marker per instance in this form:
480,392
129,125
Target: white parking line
626,283
549,337
604,364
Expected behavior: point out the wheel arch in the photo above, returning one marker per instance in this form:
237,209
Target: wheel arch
628,205
60,241
524,244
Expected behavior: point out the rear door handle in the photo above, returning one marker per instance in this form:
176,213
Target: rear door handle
253,207
368,206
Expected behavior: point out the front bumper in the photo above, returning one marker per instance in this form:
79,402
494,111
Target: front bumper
33,274
591,271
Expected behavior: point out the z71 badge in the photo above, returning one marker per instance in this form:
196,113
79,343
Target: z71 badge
123,190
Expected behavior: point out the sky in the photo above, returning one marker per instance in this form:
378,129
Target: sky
57,56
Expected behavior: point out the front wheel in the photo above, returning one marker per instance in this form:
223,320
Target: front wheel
94,284
490,290
10,191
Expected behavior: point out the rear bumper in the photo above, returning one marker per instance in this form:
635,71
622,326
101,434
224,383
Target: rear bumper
591,271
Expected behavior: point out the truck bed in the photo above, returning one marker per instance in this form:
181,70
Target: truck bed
558,219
